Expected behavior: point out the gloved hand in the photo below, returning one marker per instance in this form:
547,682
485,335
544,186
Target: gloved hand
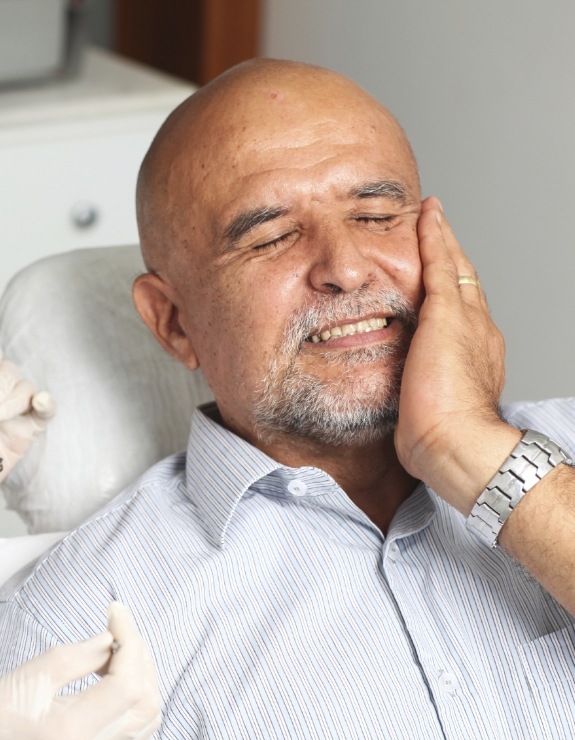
124,704
24,413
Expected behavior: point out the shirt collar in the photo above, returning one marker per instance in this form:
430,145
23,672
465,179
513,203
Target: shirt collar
414,514
220,468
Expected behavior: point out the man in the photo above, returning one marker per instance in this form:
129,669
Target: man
293,573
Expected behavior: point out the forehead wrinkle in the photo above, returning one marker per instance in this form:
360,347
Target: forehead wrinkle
244,222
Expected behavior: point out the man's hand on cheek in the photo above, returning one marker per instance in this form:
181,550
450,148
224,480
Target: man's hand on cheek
449,432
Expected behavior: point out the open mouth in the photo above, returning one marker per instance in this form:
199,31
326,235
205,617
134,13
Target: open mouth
346,330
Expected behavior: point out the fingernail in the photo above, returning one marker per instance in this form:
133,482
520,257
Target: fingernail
440,206
43,404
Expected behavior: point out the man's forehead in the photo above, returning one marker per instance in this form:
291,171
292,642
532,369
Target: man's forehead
246,145
254,103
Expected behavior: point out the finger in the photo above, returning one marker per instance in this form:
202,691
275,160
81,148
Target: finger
471,290
56,668
132,653
439,269
431,203
128,692
79,659
18,433
132,662
9,377
147,730
463,264
43,405
18,400
461,261
112,709
470,293
106,711
15,390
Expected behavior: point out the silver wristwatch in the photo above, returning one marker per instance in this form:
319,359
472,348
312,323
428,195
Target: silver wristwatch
534,457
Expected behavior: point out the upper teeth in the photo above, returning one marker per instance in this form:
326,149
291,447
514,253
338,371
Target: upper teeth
348,329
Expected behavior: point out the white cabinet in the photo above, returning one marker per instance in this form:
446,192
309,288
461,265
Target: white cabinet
69,158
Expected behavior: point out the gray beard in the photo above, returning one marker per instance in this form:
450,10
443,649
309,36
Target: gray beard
346,410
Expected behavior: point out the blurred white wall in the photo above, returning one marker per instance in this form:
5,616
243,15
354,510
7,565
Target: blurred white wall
486,94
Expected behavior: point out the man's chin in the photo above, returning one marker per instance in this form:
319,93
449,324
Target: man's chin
348,414
334,398
349,430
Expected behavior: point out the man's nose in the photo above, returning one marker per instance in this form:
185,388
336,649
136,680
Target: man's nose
340,265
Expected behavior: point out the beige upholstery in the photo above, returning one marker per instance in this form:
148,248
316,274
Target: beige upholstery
68,322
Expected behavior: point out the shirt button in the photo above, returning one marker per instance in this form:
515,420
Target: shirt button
448,682
393,552
297,488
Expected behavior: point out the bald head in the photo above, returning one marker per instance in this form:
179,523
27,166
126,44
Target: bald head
242,112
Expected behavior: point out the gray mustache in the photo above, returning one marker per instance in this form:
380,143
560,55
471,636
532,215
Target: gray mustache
333,309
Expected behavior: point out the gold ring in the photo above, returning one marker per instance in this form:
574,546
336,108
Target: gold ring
468,280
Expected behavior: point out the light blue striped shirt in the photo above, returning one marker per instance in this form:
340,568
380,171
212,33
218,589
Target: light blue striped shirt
274,607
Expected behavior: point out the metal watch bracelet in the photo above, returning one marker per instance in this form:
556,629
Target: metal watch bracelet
531,460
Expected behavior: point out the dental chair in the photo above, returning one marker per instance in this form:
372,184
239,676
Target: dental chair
69,324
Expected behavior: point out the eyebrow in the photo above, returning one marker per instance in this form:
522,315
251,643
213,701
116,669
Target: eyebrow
248,220
381,189
244,222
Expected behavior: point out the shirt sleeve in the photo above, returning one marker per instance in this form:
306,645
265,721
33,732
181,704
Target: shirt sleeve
554,417
21,637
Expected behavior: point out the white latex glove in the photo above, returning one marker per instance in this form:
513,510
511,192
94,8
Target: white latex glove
24,413
124,704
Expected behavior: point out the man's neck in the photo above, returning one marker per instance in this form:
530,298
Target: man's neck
370,474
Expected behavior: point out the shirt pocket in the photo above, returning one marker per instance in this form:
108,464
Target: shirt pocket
550,659
549,666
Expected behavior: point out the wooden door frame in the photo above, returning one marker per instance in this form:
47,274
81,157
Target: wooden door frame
192,39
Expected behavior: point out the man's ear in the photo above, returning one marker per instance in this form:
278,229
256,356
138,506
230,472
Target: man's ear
157,303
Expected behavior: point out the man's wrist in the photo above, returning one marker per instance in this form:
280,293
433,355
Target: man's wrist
459,472
532,459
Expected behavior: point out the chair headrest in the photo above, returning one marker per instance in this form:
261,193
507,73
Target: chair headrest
69,324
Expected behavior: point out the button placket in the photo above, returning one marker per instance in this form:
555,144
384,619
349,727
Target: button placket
393,552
